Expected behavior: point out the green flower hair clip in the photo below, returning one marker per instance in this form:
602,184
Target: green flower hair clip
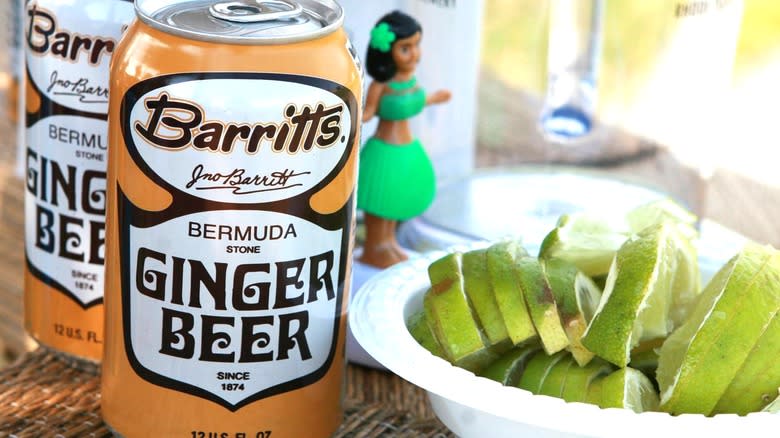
382,37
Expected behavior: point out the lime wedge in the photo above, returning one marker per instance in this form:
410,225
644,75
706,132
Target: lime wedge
553,383
687,280
509,367
541,304
575,388
586,240
637,297
449,315
594,391
626,388
577,298
422,333
479,290
756,382
653,213
537,369
701,359
501,259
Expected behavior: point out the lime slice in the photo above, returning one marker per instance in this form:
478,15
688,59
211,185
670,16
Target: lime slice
553,382
509,367
577,298
594,391
575,388
701,359
626,388
537,369
449,315
501,259
637,297
541,304
586,240
479,290
422,333
687,280
655,212
756,382
590,241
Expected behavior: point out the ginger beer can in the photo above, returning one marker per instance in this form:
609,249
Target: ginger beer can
234,131
68,47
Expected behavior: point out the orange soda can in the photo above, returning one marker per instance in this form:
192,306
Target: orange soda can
234,132
68,48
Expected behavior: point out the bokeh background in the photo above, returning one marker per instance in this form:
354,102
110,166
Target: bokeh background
513,27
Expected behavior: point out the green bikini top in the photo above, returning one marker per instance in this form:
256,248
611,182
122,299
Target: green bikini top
405,100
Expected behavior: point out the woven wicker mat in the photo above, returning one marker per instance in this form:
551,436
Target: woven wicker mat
44,396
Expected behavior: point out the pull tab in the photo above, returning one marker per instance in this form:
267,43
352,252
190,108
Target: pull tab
255,11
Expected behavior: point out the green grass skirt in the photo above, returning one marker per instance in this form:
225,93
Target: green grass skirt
395,181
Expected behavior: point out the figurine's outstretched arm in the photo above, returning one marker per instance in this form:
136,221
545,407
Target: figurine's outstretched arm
441,96
375,91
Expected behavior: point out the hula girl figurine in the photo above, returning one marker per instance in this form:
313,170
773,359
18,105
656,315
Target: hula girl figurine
396,180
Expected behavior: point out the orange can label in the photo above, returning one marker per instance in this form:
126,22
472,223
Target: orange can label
234,291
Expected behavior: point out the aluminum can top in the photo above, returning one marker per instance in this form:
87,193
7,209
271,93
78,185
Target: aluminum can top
248,22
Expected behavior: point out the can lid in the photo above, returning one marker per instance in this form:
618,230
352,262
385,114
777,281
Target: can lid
250,22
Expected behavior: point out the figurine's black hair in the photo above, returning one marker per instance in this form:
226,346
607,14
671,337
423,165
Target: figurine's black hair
380,65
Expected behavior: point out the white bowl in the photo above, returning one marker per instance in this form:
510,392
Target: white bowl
476,407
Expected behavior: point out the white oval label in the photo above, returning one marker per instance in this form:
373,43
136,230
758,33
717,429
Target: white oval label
230,140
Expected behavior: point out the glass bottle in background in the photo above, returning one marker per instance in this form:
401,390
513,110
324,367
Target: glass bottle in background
629,66
574,52
637,90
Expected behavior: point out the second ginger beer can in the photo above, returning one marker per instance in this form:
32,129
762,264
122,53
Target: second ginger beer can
234,134
68,46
